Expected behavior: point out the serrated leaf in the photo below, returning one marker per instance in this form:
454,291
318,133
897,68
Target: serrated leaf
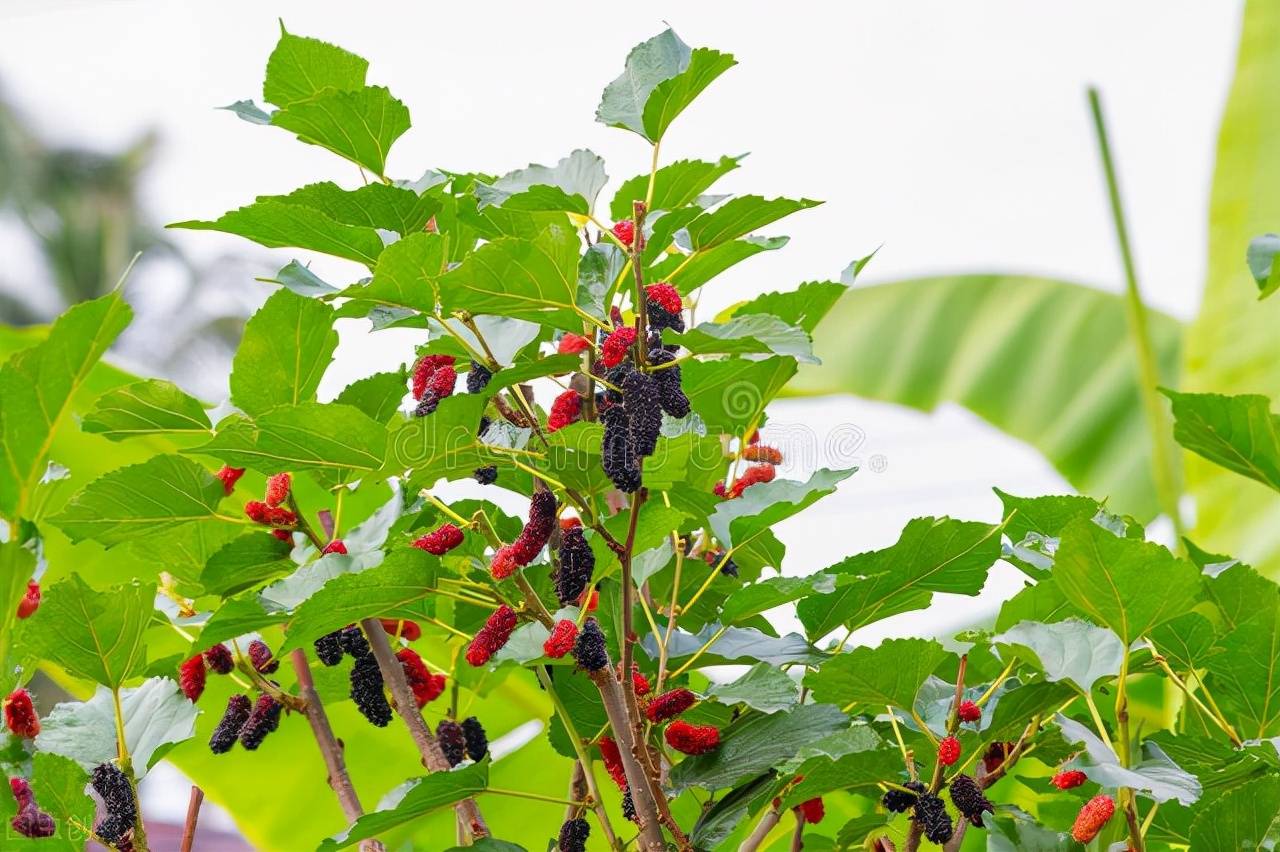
160,494
240,615
736,644
59,785
406,274
149,407
730,394
1261,259
358,125
765,504
1247,818
670,97
1045,515
441,445
336,439
301,67
377,396
739,217
375,205
757,597
287,346
1246,674
570,186
689,272
763,687
437,790
874,677
599,267
244,562
803,307
276,224
746,334
1238,432
93,634
648,64
1157,777
1072,650
674,185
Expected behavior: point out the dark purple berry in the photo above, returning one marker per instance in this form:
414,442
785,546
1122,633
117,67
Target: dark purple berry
263,719
260,656
233,719
589,648
329,649
452,740
573,836
577,562
618,450
477,377
476,738
353,642
486,475
367,692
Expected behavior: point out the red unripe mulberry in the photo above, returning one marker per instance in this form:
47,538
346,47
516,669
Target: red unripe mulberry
424,370
666,296
278,488
440,540
572,344
692,739
495,633
615,346
1096,813
670,704
612,760
560,642
229,476
272,516
753,475
811,810
261,657
29,821
566,409
589,600
639,682
504,563
625,231
219,659
426,686
968,712
30,601
191,676
410,631
762,453
948,751
1068,779
336,546
20,714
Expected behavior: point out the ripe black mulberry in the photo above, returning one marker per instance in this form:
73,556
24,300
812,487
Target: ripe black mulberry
263,719
476,738
329,649
353,642
589,650
366,691
116,793
478,377
900,801
573,836
228,730
618,451
577,562
486,475
644,413
667,382
931,814
453,742
967,796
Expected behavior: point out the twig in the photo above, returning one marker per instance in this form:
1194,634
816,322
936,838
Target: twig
767,822
797,837
641,795
193,815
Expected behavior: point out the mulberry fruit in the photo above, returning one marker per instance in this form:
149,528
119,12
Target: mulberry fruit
476,739
22,794
644,414
486,475
967,796
427,687
762,453
116,793
352,641
504,563
589,648
618,451
30,821
590,602
440,540
566,409
271,516
628,805
478,377
427,405
667,382
692,739
282,535
995,755
639,682
573,836
577,562
812,810
115,832
228,729
191,677
948,751
537,530
755,474
278,488
229,476
569,522
335,546
612,760
1068,779
263,719
329,649
572,344
669,705
261,657
219,659
452,741
727,566
561,640
410,631
30,600
625,231
425,369
615,346
20,714
492,636
967,711
1096,813
900,801
663,308
931,815
367,693
441,382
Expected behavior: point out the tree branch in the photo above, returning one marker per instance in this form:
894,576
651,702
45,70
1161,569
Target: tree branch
641,795
193,814
766,824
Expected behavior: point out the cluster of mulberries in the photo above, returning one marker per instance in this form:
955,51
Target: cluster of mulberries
451,740
561,640
565,409
229,476
433,379
486,475
20,714
577,562
30,600
667,381
440,540
669,705
1095,814
589,648
329,649
426,686
900,801
644,412
535,535
966,795
118,803
692,739
931,815
762,453
492,636
476,739
478,377
615,347
572,344
663,307
262,720
261,657
573,836
618,451
228,729
29,821
367,691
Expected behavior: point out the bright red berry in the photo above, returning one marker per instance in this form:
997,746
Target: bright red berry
564,410
719,490
968,712
569,522
670,704
572,344
272,516
625,231
30,601
560,642
229,476
20,714
409,630
948,751
490,639
753,475
1096,813
590,599
335,546
191,676
612,760
504,563
667,297
442,381
762,453
427,687
283,535
440,540
426,368
615,346
811,810
1068,779
278,488
692,739
640,683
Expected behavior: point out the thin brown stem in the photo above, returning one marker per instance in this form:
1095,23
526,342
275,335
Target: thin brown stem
650,838
768,820
193,815
797,836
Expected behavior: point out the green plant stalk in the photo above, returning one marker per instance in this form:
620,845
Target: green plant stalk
1166,467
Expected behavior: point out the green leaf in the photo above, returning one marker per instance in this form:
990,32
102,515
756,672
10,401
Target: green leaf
1044,516
689,272
285,350
377,396
59,786
736,522
1053,367
277,224
670,97
156,714
149,407
375,205
1156,776
337,439
931,555
17,565
890,674
1261,259
757,597
301,68
357,125
736,644
739,217
442,445
244,562
755,743
160,494
570,186
747,333
1238,432
92,634
763,687
299,279
406,274
1245,818
37,384
861,761
238,616
730,394
532,279
804,307
1246,674
649,64
1128,585
674,185
422,796
1072,650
